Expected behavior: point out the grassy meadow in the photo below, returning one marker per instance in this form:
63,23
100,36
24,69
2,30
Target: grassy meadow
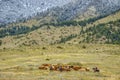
22,63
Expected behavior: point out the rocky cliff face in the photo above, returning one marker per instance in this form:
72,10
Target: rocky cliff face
11,10
91,7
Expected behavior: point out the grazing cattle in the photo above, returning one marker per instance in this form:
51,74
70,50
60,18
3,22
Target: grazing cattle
65,67
68,69
43,68
87,69
76,68
47,65
84,69
52,68
96,69
56,67
71,66
61,68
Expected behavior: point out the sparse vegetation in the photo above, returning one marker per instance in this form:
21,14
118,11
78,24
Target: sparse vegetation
63,40
14,31
109,30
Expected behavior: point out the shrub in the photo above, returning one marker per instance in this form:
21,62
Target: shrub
59,47
0,42
84,47
44,48
47,59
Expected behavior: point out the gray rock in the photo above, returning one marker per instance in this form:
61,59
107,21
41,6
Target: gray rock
98,7
12,10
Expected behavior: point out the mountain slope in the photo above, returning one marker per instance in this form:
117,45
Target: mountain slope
94,32
12,10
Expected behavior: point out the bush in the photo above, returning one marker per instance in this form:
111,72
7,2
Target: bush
0,42
44,48
47,59
63,40
59,47
84,47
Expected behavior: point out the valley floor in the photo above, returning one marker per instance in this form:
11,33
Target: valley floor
22,63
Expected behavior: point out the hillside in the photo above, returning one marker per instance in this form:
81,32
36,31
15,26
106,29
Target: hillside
94,30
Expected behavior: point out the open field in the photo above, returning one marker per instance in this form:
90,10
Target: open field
22,63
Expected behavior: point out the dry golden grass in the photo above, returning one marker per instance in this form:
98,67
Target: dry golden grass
22,63
109,18
40,36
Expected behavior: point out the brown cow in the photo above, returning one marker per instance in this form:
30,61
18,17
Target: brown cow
47,65
43,68
84,69
76,68
67,69
87,69
52,68
64,68
96,69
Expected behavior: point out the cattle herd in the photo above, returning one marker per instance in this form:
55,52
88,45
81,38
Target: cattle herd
65,67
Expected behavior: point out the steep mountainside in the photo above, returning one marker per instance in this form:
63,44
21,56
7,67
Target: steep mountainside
86,8
11,10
